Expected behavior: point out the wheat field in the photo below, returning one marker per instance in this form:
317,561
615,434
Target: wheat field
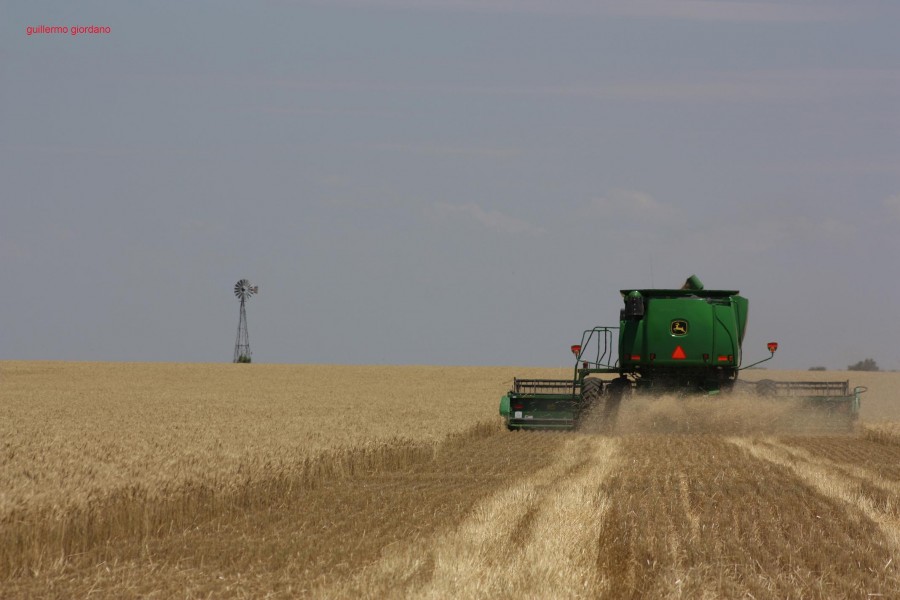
144,480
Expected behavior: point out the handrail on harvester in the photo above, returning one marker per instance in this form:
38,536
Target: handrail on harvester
603,358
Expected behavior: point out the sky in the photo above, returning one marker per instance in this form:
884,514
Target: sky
448,182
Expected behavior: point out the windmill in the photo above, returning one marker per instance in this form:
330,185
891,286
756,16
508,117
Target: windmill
243,290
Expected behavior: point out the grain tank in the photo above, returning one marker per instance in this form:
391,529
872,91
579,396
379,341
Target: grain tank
686,339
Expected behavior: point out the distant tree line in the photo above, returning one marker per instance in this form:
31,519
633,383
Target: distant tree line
867,364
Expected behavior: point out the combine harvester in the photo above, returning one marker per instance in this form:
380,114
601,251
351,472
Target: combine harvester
684,341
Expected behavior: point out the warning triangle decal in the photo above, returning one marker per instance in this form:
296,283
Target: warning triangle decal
678,352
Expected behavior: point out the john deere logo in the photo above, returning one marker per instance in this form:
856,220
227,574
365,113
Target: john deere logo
678,327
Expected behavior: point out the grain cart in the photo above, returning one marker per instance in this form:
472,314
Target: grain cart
682,341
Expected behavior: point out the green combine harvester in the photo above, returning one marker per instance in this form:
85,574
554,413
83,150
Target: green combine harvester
682,341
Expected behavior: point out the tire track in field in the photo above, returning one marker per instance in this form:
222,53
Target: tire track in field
861,473
697,516
532,538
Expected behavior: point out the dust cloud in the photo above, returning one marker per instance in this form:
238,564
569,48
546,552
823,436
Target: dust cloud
727,414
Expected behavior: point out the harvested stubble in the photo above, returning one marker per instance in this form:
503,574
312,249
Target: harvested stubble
695,516
224,481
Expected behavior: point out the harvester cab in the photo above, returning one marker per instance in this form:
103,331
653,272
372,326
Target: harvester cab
682,341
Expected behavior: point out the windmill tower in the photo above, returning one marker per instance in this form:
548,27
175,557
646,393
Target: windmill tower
243,290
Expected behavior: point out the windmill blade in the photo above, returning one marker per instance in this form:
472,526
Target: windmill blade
240,288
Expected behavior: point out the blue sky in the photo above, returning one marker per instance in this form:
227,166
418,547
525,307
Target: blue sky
444,181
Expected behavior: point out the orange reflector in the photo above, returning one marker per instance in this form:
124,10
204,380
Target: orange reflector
679,353
635,357
723,359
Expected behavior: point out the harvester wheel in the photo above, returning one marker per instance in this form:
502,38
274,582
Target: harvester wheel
591,390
